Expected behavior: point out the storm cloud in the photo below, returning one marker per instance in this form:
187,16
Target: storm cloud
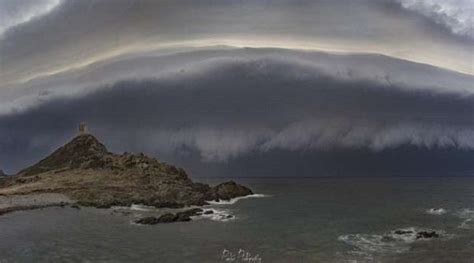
242,84
231,103
75,34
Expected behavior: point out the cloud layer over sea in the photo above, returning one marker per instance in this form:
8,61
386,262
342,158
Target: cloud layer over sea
223,104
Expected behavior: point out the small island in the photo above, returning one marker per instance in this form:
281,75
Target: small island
84,173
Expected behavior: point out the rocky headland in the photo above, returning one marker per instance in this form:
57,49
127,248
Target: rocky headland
83,172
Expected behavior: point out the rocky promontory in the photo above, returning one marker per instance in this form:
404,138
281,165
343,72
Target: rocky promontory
84,171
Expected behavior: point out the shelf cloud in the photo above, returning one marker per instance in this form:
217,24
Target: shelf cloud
224,81
225,104
295,65
49,37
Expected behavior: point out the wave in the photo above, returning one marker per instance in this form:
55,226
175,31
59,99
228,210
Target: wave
436,211
221,215
467,224
468,215
138,207
134,207
395,241
372,243
234,200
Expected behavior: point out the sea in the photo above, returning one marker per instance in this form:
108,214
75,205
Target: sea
287,220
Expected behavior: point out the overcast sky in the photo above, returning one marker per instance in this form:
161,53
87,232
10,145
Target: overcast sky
224,80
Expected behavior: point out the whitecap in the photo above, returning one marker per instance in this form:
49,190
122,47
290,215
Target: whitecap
468,216
136,207
234,200
436,211
467,224
395,241
120,208
221,215
466,213
373,243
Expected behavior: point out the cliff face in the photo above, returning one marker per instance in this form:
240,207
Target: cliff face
86,171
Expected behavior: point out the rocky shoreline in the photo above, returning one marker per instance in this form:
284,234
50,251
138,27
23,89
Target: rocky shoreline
184,216
83,172
13,203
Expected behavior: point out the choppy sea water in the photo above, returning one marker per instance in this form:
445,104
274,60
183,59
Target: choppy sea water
297,220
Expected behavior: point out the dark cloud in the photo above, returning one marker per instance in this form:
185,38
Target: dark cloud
296,65
164,77
80,32
226,113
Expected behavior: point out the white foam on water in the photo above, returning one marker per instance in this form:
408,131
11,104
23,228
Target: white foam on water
221,215
395,241
407,235
467,224
138,207
436,211
134,207
234,200
120,207
468,215
373,243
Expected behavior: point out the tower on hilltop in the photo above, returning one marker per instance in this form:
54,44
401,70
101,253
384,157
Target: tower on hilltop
83,128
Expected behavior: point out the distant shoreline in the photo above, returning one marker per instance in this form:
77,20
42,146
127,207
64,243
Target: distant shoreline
13,203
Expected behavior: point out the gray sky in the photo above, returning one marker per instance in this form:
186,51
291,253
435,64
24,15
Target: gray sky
224,80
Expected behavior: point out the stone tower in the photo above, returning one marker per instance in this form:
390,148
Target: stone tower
82,128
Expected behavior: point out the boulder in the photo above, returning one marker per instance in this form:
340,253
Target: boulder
75,206
184,216
191,212
229,190
403,232
425,234
167,218
151,220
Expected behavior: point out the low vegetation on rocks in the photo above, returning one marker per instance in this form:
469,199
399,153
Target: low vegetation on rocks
85,171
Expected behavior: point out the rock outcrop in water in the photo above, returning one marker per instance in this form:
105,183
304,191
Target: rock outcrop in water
425,235
85,171
229,190
419,234
184,216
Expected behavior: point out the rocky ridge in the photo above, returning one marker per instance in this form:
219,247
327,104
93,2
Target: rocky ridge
85,171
